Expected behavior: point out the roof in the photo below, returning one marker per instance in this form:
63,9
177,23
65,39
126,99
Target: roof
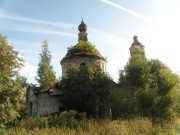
83,48
55,92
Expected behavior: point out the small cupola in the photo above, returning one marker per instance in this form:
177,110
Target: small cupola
82,36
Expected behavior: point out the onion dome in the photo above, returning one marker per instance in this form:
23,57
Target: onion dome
82,27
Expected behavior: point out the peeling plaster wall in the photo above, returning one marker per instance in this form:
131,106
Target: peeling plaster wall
137,49
79,60
42,104
48,104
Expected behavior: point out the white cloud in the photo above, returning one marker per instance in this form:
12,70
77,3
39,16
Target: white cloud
33,29
8,16
29,71
46,31
126,10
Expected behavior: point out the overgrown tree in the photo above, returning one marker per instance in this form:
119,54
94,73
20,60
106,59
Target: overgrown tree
87,90
45,74
165,83
151,86
11,90
136,73
123,103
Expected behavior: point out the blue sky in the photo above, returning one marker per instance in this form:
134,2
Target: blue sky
111,27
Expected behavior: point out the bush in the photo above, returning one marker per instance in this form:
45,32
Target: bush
34,122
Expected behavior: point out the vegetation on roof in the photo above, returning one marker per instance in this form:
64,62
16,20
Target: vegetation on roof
83,47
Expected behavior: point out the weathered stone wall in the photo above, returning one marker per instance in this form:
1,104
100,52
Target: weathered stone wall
31,100
48,104
91,61
137,49
42,104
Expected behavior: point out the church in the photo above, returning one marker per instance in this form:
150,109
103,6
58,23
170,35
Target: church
83,53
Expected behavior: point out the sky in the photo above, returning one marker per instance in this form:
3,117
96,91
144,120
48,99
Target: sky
111,27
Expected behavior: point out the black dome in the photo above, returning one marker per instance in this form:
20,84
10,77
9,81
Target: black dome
82,27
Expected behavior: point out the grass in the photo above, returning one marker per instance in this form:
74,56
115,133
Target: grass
138,126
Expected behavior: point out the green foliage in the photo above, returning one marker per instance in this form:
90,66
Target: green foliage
71,119
164,80
87,90
136,72
153,90
123,103
45,75
32,122
175,94
11,90
165,83
83,47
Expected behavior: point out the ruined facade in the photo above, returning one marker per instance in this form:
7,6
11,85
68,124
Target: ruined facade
43,103
83,53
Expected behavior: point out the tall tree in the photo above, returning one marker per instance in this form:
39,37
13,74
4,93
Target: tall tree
11,90
166,84
45,75
136,72
149,86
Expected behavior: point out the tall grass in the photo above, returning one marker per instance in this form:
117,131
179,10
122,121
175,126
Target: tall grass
138,126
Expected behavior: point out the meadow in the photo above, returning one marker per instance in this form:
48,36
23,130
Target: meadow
137,126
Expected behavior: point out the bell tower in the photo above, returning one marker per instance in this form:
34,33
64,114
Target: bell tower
136,47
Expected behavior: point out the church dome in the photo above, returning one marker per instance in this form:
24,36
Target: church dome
82,27
83,48
83,53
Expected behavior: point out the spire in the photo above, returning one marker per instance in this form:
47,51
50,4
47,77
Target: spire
82,36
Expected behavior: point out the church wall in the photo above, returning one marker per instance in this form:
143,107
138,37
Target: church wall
78,61
48,104
31,102
42,104
137,49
